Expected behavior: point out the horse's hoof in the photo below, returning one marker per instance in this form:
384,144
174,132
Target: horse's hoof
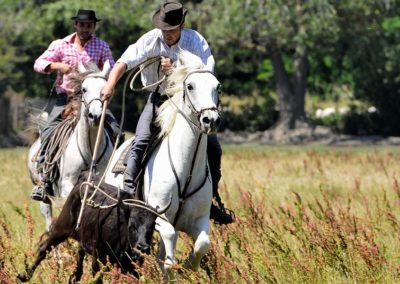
22,277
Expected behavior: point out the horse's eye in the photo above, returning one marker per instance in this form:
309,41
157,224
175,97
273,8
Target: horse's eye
190,87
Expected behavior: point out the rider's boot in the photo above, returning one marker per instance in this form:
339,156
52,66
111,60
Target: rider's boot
218,212
41,191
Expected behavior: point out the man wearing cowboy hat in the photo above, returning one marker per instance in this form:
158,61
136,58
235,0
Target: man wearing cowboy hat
166,40
62,56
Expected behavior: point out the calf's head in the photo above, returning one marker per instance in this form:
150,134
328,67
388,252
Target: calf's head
142,221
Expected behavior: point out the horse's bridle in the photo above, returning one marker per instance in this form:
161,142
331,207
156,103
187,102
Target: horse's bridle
186,95
87,104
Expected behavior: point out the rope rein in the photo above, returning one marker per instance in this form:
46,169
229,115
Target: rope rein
132,75
183,195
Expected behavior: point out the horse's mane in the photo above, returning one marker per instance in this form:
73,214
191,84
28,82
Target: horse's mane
186,63
73,99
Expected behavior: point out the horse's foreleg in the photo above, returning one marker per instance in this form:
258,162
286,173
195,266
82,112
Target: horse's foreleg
46,210
200,235
166,253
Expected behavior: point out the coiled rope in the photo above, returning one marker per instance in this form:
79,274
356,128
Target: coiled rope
56,145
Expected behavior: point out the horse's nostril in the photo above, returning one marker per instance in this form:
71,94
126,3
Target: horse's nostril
90,116
206,120
218,121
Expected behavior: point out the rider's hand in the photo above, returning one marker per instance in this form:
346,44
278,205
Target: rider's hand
166,65
107,92
59,66
65,68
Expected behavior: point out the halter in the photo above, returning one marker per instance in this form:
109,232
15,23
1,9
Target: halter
191,106
182,191
87,105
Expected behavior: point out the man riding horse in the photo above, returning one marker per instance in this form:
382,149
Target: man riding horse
62,56
166,40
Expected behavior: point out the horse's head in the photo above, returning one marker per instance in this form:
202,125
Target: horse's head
200,91
91,86
201,94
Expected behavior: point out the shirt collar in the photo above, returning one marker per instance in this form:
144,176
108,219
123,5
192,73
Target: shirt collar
69,38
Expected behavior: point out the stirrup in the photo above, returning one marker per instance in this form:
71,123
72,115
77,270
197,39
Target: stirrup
38,193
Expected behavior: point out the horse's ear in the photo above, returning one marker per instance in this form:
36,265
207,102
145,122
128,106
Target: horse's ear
81,67
106,68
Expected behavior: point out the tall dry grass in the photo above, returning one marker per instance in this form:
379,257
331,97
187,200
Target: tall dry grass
304,215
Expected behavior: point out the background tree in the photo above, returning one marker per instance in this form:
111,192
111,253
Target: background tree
268,53
372,48
286,32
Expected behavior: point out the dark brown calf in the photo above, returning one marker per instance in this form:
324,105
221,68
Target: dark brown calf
115,232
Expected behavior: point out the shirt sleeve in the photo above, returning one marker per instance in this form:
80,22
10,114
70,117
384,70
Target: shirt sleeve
52,54
107,55
206,55
138,52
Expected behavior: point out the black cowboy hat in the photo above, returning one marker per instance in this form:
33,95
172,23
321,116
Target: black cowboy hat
170,16
85,16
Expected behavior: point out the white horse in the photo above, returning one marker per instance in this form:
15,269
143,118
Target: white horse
179,166
79,149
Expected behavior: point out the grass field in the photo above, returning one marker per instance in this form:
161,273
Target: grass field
304,215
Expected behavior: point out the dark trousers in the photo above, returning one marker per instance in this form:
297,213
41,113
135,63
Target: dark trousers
144,131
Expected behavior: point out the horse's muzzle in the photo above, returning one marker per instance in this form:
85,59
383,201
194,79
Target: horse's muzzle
94,120
209,121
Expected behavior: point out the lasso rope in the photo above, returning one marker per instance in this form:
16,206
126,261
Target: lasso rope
97,188
56,145
143,66
128,202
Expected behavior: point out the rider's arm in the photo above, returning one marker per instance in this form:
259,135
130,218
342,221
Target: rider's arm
50,60
115,74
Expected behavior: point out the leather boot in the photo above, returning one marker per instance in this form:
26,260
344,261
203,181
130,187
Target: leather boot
218,212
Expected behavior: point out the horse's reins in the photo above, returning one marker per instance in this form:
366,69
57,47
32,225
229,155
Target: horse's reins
94,156
87,105
191,105
147,63
185,94
182,194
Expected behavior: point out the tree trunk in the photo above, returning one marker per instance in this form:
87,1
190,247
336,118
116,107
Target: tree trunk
4,115
291,91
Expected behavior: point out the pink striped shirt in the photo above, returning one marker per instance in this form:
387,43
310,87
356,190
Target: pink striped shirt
63,50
